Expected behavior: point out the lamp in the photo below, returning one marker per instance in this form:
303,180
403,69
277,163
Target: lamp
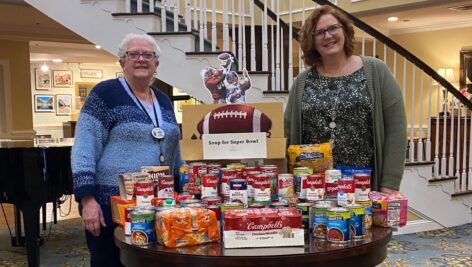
448,74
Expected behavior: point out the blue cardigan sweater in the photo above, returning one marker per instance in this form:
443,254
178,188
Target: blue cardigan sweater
113,136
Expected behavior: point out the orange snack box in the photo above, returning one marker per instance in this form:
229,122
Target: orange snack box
178,227
389,210
118,206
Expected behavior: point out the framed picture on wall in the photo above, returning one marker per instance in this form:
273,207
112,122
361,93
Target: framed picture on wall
43,103
42,79
82,90
63,104
62,78
86,73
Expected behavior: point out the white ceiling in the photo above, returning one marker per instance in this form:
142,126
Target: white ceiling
51,40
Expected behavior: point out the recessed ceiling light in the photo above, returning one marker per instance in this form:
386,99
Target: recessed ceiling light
392,19
57,60
98,46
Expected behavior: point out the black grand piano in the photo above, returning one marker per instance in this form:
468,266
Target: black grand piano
31,175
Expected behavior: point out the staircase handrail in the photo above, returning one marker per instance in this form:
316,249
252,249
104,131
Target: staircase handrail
402,51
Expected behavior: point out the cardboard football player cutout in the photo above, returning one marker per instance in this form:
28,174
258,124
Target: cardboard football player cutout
225,85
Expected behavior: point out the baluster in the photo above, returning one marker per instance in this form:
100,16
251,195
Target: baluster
436,141
395,64
128,6
428,136
151,6
374,47
244,34
265,48
175,6
195,15
443,156
277,50
457,182
163,16
419,152
300,60
225,26
253,36
240,37
450,171
188,16
290,47
233,33
282,61
363,43
213,26
469,174
205,21
412,117
139,6
385,53
464,153
202,34
272,52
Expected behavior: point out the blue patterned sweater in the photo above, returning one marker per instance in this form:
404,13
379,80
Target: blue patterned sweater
113,136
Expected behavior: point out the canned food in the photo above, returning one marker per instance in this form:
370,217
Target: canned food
285,182
304,209
238,191
195,172
250,177
209,201
262,188
183,178
313,188
362,181
209,187
331,182
144,193
319,219
187,202
230,206
338,225
127,227
227,175
297,181
357,221
142,227
165,187
346,192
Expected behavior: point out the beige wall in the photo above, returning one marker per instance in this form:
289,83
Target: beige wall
17,54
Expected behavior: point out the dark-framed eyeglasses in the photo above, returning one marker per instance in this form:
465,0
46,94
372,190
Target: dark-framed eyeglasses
332,29
134,55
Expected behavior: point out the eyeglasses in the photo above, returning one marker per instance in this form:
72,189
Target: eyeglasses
332,29
147,56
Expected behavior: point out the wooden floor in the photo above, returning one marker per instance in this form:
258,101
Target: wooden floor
68,210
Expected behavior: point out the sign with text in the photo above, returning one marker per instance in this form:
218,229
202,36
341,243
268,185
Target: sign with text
235,146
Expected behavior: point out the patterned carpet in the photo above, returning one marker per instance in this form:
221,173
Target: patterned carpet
447,247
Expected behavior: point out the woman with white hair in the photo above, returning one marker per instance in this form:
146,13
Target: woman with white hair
124,124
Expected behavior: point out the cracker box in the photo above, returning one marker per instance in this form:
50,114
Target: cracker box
389,210
265,227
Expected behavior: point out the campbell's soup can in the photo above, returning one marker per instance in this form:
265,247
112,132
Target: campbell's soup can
346,192
127,227
236,166
273,172
331,182
227,175
250,177
313,187
195,172
297,178
285,188
209,187
261,187
144,193
210,201
165,187
247,169
183,196
214,168
362,181
238,191
338,225
183,178
142,227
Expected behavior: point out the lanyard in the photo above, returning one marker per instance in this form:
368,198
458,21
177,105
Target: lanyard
143,108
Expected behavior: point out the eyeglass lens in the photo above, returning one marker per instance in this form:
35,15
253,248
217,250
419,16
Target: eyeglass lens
332,29
135,55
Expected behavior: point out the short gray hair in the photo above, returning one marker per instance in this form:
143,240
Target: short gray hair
132,36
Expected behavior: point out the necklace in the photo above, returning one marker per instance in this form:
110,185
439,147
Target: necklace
156,132
334,100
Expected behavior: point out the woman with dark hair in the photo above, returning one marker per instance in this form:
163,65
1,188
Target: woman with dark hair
350,101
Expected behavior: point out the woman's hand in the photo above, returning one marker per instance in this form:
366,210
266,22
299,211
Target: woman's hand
92,215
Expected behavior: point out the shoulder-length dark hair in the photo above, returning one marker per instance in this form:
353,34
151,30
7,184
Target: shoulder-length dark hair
307,38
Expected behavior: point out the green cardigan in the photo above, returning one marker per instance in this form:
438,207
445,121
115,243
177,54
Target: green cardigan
389,121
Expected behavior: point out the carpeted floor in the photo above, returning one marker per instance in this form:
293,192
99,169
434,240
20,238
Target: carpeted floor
448,247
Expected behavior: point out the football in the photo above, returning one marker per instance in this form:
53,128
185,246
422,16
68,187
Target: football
234,118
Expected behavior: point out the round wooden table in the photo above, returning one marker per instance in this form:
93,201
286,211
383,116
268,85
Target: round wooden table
368,252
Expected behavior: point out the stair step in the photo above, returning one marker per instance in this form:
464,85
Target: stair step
464,193
418,163
442,179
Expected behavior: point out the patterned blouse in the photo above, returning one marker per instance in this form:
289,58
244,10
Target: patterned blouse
346,102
